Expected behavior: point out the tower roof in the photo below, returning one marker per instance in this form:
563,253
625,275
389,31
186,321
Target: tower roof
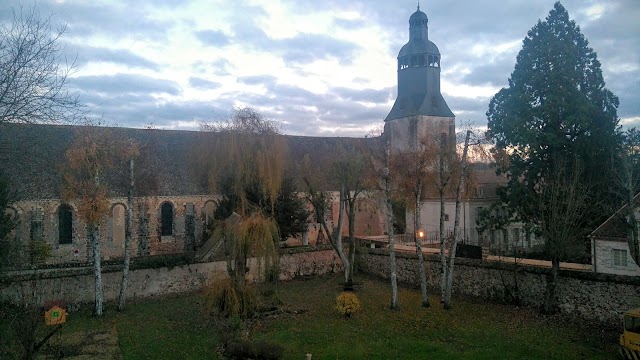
419,46
418,15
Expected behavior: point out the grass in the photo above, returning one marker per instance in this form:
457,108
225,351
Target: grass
471,330
178,328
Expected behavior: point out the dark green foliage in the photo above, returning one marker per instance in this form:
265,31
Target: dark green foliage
399,216
8,222
556,109
247,349
289,209
156,262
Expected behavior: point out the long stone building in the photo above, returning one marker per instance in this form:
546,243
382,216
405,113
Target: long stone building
173,203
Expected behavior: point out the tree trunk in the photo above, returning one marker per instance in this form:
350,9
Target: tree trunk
336,238
352,235
634,243
418,242
456,226
550,296
127,241
443,258
392,246
97,271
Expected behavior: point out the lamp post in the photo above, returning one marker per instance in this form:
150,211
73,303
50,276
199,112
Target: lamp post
420,234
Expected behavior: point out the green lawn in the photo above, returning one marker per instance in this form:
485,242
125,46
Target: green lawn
177,328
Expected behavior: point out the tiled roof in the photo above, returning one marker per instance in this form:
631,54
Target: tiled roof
32,157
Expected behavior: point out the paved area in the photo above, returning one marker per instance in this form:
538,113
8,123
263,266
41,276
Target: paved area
98,345
526,262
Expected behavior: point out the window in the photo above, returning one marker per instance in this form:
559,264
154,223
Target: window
65,224
619,257
36,230
118,224
209,209
632,324
446,217
516,234
480,192
166,217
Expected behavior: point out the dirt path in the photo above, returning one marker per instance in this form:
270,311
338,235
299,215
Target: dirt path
99,345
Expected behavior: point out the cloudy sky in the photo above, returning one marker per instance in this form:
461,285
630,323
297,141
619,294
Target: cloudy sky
322,68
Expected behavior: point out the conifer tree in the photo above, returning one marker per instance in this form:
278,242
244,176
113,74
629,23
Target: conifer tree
556,112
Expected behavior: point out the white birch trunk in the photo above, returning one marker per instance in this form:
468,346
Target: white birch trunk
97,271
456,227
443,258
127,241
418,242
392,250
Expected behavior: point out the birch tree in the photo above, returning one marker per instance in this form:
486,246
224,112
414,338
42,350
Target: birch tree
389,217
133,151
351,173
412,169
93,153
448,275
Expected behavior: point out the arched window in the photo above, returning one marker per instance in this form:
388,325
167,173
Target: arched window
118,224
166,216
11,215
65,224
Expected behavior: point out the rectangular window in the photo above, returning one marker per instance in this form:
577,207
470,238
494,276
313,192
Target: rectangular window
446,217
516,235
619,257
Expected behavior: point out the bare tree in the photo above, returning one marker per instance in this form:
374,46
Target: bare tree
34,71
133,150
389,217
563,210
448,276
92,155
412,169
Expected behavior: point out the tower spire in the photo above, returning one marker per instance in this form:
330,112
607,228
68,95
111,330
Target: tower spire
418,5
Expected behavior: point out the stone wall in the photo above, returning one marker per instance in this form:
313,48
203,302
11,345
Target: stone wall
190,213
603,262
76,285
600,297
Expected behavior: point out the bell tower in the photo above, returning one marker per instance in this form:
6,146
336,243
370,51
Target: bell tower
419,112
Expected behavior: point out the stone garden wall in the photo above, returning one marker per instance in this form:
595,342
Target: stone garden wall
592,296
76,285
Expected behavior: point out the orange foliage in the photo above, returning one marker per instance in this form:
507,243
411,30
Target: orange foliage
94,152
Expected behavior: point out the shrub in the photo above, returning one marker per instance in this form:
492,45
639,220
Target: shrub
246,349
347,303
230,298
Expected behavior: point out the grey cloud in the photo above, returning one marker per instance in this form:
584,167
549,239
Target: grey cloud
87,54
367,95
213,37
86,18
201,83
124,84
301,48
266,80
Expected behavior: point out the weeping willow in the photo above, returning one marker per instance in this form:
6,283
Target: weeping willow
254,236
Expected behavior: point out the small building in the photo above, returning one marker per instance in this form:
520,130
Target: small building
610,253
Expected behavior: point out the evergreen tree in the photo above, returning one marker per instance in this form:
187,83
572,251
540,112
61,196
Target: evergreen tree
556,108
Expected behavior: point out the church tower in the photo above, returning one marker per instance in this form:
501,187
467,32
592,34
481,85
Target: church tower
420,110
